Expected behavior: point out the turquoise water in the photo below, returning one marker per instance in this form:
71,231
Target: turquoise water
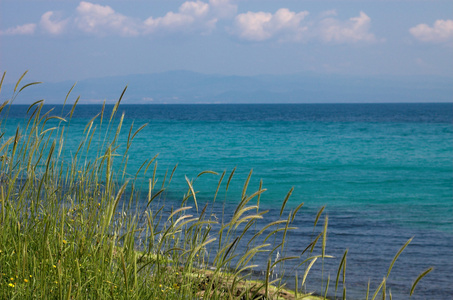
384,172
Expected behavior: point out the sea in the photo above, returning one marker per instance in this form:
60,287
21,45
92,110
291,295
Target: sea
383,172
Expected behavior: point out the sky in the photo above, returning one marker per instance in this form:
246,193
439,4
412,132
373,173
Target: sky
58,40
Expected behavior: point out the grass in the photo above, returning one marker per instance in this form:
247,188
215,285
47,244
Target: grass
73,224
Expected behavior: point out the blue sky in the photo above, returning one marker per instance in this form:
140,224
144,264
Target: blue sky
74,40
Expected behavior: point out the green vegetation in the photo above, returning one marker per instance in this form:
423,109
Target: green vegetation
74,228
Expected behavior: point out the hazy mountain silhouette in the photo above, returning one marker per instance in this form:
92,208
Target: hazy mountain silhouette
190,87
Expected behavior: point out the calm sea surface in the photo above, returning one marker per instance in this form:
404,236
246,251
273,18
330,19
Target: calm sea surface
383,171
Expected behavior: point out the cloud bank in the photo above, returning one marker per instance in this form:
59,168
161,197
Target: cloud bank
25,29
440,32
50,23
351,31
260,26
202,17
190,16
103,20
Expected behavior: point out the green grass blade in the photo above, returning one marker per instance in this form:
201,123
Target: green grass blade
327,287
379,288
193,192
368,290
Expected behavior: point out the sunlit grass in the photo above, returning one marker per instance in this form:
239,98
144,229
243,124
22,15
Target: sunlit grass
75,225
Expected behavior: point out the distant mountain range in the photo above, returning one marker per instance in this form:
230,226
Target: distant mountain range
176,87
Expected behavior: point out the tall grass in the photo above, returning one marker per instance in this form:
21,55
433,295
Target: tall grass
74,225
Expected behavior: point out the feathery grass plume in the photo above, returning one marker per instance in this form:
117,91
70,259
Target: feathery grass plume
1,81
229,178
318,215
313,260
341,266
324,236
295,211
18,81
266,295
423,274
246,184
193,192
218,186
207,172
73,107
323,248
67,97
117,103
286,200
397,255
27,85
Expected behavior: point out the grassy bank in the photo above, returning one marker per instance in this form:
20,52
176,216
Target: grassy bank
74,225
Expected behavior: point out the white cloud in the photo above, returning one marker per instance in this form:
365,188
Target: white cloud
192,15
260,26
441,31
25,29
250,26
197,9
351,31
52,26
102,20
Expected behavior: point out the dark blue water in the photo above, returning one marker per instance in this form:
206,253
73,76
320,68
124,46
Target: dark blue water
384,172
